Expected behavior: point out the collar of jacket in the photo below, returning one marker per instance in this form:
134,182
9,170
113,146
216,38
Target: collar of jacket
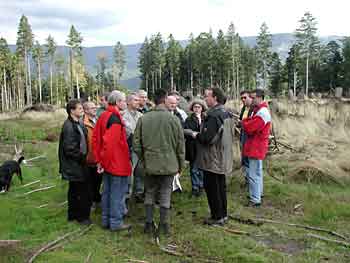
160,107
216,107
114,110
88,122
263,104
72,120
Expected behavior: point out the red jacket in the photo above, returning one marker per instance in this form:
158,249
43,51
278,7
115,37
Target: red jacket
257,129
109,143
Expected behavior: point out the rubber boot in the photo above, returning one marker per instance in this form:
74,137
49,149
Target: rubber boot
149,225
164,226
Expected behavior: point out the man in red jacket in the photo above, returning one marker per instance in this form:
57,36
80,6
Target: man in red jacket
257,130
112,156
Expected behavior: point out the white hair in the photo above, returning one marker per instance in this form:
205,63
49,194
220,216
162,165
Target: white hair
142,92
115,96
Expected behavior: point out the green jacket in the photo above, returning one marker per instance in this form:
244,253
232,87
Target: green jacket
159,142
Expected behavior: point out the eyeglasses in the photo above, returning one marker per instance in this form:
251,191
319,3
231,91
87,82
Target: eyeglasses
243,98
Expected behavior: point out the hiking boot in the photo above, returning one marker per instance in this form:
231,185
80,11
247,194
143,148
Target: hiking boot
149,228
121,228
85,222
214,222
164,229
252,204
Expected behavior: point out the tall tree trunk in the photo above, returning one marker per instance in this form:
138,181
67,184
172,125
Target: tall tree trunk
51,83
26,74
307,75
4,93
160,77
39,82
153,82
114,75
78,90
146,84
57,92
211,76
29,81
71,71
295,83
171,80
191,81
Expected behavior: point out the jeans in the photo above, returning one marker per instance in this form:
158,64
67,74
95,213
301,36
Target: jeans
255,180
113,200
196,177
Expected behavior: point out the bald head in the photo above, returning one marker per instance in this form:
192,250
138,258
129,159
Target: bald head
171,103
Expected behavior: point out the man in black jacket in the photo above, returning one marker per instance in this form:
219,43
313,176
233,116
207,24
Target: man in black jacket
215,154
72,159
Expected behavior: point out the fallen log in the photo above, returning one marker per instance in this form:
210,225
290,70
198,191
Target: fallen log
55,242
343,243
330,232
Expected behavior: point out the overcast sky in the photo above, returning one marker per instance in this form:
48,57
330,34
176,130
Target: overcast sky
104,22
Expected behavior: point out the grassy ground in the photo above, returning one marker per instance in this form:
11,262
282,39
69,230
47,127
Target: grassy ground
322,205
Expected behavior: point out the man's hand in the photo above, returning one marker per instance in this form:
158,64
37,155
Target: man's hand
194,135
100,169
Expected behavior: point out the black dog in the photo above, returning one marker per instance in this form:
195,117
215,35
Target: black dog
7,170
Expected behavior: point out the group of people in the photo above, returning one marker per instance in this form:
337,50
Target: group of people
137,151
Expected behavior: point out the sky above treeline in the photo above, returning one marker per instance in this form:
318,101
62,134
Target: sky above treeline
104,22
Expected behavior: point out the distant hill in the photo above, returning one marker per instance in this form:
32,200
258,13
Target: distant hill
281,44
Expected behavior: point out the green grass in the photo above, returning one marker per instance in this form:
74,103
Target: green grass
322,205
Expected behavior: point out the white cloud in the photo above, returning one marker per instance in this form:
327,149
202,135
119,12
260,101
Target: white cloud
105,22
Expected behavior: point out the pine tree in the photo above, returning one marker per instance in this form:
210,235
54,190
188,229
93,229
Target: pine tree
24,45
346,63
5,56
263,52
119,62
308,42
51,47
38,56
275,73
75,54
172,58
293,64
144,63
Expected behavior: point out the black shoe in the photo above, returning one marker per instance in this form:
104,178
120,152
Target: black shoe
121,228
85,222
214,222
139,198
252,204
149,228
196,193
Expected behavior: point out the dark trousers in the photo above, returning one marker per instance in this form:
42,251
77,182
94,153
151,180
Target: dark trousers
79,201
215,187
95,181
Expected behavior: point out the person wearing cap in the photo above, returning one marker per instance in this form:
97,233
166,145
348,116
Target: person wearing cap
193,124
257,130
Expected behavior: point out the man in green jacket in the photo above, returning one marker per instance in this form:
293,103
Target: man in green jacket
159,143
